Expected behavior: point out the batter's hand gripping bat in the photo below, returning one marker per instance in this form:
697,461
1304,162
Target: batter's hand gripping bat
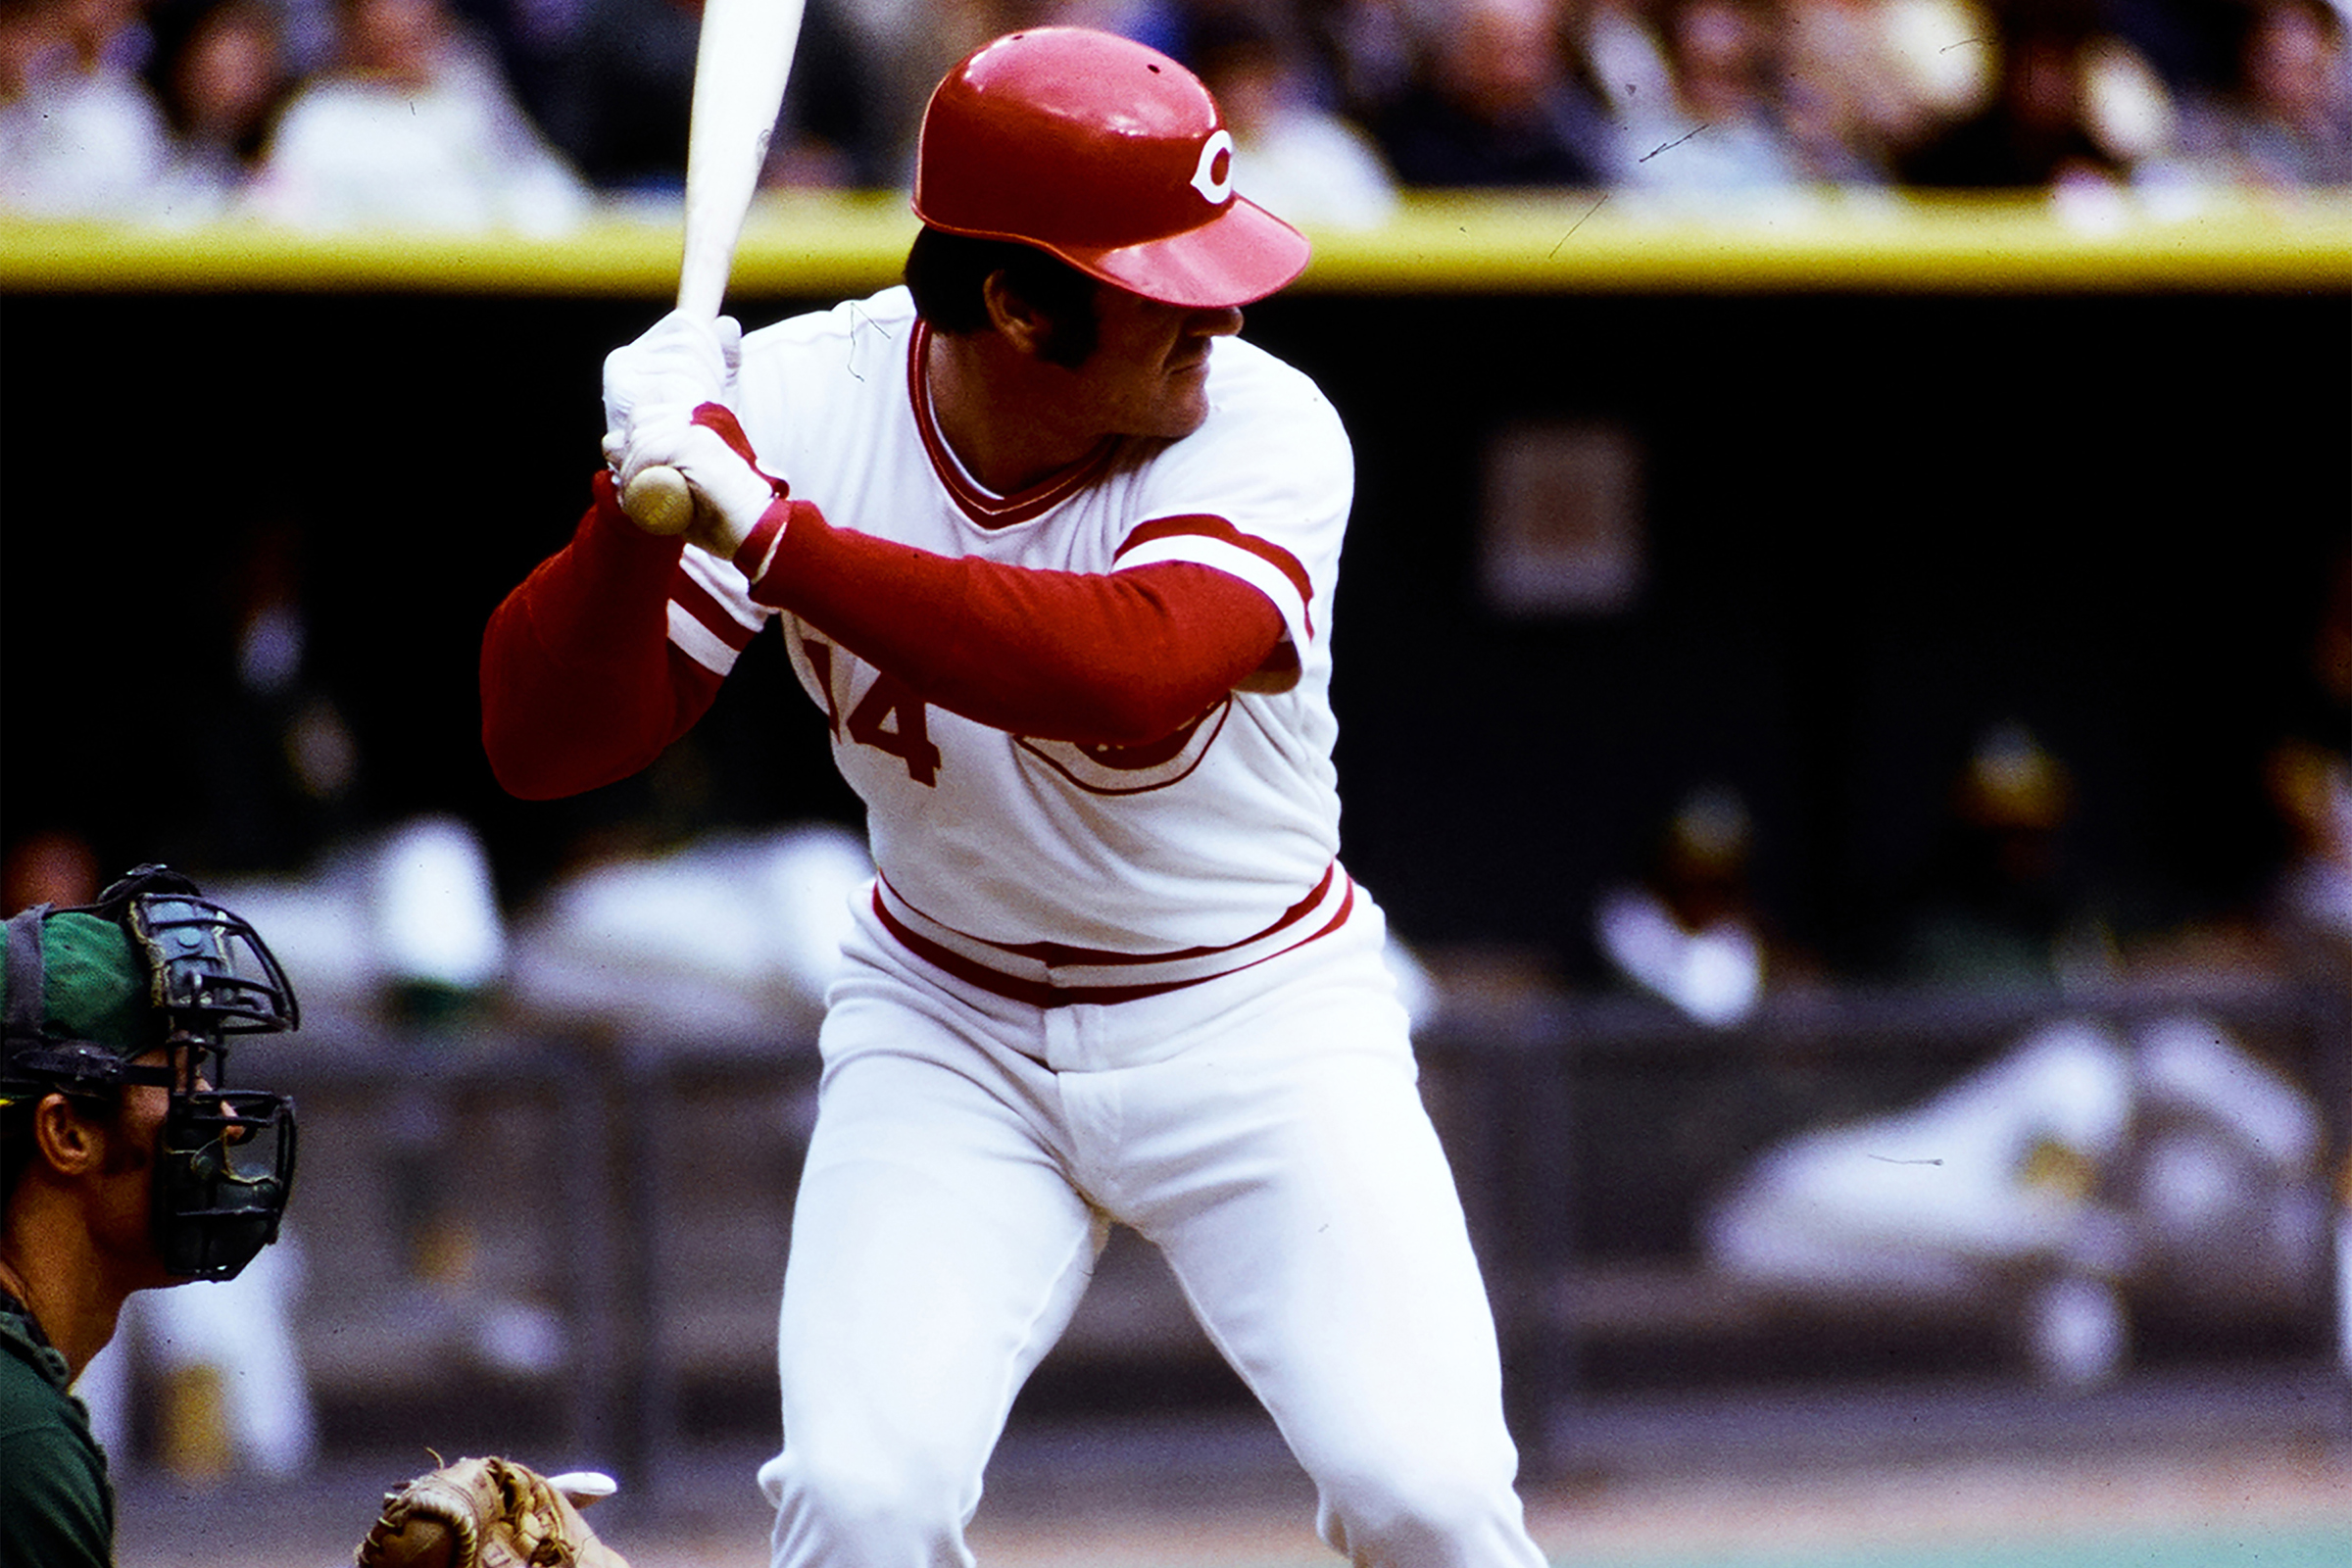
741,61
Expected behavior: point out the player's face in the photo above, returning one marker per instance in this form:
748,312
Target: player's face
122,1221
1149,374
121,1182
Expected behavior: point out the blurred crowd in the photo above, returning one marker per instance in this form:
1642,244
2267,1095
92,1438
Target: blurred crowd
530,114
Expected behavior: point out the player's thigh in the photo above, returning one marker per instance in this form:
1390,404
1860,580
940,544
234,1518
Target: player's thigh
937,1247
1323,1245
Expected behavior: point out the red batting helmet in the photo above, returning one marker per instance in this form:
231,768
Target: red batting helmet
1105,153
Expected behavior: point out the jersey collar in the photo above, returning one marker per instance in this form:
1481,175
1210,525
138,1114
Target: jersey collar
982,505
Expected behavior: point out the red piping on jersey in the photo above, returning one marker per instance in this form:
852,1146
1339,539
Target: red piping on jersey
1061,953
986,510
1045,994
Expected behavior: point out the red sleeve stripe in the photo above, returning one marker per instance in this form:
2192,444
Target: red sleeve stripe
697,616
1218,528
693,640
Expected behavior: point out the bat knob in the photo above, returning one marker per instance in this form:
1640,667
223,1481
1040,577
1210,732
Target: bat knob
659,501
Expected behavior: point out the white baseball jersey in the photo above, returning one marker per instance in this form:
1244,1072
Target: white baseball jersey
1248,1106
1093,868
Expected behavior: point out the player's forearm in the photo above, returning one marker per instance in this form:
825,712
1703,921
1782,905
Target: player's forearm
580,686
1117,658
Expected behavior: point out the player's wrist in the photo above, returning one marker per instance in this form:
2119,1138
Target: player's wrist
757,552
735,495
735,499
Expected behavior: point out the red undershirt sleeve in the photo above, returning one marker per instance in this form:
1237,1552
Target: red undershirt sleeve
580,684
1117,658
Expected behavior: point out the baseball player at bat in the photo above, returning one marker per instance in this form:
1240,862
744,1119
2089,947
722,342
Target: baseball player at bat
1055,552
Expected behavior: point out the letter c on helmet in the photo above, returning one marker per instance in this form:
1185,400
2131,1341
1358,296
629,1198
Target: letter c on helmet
1212,179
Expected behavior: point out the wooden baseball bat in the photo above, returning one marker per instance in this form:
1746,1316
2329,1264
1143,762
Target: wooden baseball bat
742,60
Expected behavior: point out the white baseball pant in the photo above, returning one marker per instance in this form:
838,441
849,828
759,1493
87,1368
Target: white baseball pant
1262,1129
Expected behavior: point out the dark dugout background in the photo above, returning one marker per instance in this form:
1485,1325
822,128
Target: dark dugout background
1875,523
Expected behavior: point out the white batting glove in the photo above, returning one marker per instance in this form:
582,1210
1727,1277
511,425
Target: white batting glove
680,363
730,492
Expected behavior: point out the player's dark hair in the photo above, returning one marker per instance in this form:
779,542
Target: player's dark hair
948,274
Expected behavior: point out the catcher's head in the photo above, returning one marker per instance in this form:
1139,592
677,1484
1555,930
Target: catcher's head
139,992
1108,154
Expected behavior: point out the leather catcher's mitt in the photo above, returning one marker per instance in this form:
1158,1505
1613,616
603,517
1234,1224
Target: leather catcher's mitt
486,1514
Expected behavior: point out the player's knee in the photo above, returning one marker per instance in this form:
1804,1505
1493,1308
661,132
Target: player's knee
842,1510
1425,1519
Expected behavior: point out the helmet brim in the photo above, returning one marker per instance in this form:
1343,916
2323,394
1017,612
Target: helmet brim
1241,256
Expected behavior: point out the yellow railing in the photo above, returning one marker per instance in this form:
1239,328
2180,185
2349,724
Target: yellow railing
813,246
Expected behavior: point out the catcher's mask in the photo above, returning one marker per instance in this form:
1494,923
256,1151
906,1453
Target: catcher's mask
224,1161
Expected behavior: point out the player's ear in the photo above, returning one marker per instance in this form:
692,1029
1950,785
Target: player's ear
1013,318
65,1140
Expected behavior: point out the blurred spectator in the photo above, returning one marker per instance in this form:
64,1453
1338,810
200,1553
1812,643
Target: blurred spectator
402,929
2036,130
414,127
2284,120
2085,1172
1366,52
1981,1200
611,84
1688,929
1723,126
280,760
1864,79
2308,773
221,72
2098,1172
728,936
2191,44
1292,155
2002,903
2075,108
80,136
1497,101
905,46
1624,58
2312,788
398,926
832,133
